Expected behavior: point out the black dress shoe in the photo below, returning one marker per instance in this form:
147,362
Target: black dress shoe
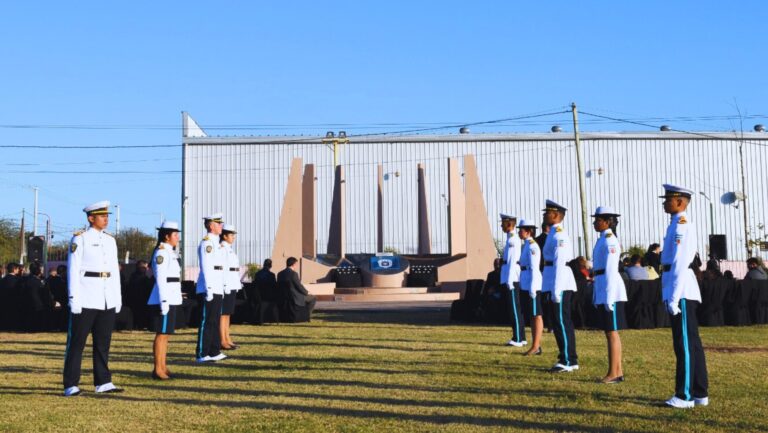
618,379
536,353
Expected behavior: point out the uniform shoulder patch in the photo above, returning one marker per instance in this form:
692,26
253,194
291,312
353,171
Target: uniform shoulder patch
159,259
558,229
208,249
682,220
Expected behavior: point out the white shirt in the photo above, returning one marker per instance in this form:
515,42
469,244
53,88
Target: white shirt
530,259
558,277
165,265
212,262
94,251
232,269
679,282
609,286
510,269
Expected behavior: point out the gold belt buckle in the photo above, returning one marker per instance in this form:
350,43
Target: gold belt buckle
104,274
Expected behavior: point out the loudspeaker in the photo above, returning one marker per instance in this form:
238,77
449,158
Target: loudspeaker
36,248
718,247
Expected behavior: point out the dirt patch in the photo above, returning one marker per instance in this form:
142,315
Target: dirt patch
735,349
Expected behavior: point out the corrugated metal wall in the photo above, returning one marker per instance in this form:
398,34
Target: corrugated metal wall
246,180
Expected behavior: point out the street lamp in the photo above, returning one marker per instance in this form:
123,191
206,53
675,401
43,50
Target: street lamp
711,213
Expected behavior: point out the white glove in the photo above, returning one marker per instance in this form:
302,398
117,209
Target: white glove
164,308
209,296
556,297
74,307
673,308
608,307
118,308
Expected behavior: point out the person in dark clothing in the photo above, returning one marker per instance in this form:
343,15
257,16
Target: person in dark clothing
266,282
57,286
288,280
652,257
755,271
140,286
492,298
9,311
37,302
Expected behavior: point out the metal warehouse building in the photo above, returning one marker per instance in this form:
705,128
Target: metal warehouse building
245,178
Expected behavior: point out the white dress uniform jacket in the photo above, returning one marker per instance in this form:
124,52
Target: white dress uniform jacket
212,262
558,277
679,251
165,266
510,269
609,286
232,269
530,259
93,251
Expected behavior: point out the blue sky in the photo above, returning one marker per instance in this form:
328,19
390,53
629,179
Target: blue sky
135,66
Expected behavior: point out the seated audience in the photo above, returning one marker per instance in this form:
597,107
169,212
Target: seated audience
288,280
635,271
266,282
652,257
754,270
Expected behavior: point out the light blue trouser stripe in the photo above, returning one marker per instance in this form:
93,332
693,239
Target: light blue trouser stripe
200,334
565,336
533,301
514,308
687,353
69,335
165,323
615,326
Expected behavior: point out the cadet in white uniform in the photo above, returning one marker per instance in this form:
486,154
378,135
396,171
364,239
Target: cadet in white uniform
680,293
530,283
610,294
210,291
166,295
559,283
232,284
510,278
94,299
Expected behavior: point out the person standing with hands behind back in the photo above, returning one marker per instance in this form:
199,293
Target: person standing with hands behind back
680,293
610,291
166,295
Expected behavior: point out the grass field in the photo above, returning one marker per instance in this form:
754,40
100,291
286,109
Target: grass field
389,372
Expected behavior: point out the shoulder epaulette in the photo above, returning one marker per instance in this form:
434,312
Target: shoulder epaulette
558,229
205,238
108,234
608,235
682,220
78,233
531,241
160,247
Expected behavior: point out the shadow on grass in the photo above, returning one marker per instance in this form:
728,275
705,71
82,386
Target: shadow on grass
436,419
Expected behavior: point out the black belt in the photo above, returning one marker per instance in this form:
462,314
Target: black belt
600,272
97,274
218,268
546,263
524,268
173,279
234,269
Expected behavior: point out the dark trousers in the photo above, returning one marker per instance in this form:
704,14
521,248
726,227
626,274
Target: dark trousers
562,327
516,312
100,323
208,338
311,300
691,379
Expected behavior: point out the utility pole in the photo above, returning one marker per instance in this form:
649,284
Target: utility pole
582,193
34,219
21,238
744,193
117,219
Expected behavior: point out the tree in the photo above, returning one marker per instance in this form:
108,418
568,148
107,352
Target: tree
9,241
139,244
